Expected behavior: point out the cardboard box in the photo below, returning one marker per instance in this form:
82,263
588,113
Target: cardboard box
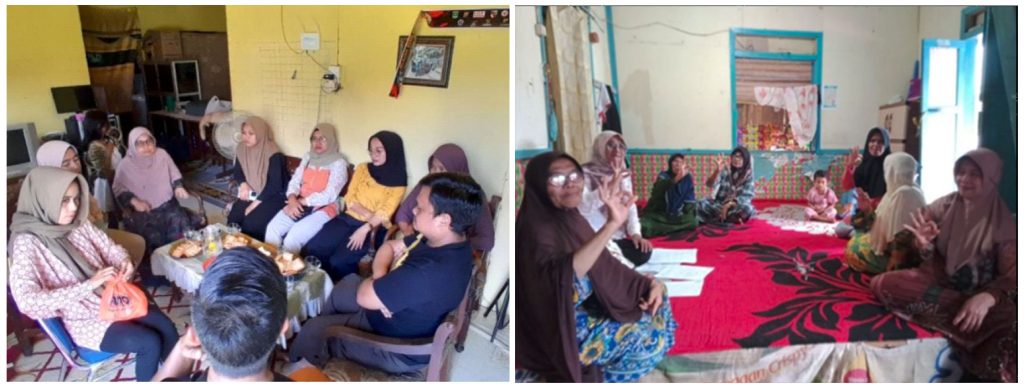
211,50
162,45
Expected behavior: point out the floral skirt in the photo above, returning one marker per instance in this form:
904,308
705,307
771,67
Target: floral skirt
625,351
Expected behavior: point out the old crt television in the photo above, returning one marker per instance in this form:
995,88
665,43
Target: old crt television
22,142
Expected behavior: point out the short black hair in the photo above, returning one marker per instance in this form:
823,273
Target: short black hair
238,311
819,174
457,195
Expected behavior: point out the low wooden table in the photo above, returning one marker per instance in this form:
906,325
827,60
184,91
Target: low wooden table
306,295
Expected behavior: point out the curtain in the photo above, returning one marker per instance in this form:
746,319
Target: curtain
999,95
112,40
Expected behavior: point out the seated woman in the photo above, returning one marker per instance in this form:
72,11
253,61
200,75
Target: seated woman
376,190
59,261
262,175
147,182
312,192
449,158
590,318
881,243
59,154
608,159
672,206
733,190
864,171
102,157
966,287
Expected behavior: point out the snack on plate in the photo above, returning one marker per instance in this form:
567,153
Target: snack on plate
289,264
235,241
186,248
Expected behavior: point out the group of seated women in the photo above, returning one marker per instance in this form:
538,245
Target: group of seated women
62,253
949,265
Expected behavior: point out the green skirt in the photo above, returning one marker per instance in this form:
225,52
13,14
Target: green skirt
654,224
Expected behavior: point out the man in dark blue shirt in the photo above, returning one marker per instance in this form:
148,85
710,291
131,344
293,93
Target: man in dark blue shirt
416,281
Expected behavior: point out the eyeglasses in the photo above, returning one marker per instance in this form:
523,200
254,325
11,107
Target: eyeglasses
321,139
560,180
144,142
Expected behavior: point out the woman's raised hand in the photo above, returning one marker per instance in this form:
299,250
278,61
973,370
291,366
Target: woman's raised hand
923,227
616,200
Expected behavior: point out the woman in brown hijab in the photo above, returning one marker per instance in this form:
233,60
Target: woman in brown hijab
586,316
967,286
261,172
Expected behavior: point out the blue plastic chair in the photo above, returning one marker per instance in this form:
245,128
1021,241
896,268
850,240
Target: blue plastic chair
75,356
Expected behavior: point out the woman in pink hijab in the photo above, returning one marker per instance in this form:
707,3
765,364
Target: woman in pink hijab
967,286
147,182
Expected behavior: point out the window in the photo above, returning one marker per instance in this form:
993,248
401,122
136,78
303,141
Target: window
776,79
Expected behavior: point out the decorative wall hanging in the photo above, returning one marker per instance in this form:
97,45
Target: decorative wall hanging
429,60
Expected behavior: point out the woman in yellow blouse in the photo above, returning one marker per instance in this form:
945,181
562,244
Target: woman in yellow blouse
373,195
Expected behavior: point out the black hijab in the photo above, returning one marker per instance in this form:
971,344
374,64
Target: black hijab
870,174
392,172
740,176
546,238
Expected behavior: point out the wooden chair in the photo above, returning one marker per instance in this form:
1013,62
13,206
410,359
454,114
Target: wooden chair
437,368
476,281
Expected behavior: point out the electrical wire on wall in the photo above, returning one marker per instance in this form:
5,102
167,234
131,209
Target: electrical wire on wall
600,22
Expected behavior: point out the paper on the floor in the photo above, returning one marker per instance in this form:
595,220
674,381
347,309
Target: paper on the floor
673,256
683,272
684,288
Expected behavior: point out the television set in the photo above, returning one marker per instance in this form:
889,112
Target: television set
73,99
22,142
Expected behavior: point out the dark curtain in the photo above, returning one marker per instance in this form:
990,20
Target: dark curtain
999,95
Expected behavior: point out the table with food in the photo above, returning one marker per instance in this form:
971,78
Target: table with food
184,261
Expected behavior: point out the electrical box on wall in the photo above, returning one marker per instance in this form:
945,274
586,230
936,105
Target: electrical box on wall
310,41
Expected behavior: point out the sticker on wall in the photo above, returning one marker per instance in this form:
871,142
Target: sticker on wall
828,96
469,18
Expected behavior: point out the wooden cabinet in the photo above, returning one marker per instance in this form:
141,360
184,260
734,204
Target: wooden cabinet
902,120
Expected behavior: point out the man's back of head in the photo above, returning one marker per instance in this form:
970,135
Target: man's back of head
239,311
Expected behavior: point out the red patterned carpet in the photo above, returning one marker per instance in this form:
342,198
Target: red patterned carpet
776,287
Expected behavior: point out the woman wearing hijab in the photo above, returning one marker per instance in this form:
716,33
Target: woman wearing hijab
449,158
147,182
864,178
59,154
672,206
966,288
59,261
590,318
608,158
734,190
373,196
881,242
312,192
262,176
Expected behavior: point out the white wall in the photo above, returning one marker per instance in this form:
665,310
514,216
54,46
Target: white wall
602,65
939,23
675,88
531,124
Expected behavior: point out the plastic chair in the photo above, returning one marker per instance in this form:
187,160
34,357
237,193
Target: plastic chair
75,356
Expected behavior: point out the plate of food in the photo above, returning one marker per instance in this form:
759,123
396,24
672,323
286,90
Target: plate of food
235,240
290,264
186,248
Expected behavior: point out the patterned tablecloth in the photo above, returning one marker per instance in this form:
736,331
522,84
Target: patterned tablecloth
306,294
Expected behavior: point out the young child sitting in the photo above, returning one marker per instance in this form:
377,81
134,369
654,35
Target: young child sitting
821,200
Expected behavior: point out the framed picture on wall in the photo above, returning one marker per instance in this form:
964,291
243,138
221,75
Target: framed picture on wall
430,61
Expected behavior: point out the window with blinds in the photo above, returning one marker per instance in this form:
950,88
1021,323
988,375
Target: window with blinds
775,80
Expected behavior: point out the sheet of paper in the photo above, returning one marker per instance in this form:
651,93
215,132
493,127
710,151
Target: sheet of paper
684,288
673,256
683,272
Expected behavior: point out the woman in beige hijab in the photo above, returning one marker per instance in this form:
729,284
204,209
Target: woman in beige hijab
881,243
62,155
261,172
966,288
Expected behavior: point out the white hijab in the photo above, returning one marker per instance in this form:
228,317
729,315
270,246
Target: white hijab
902,196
